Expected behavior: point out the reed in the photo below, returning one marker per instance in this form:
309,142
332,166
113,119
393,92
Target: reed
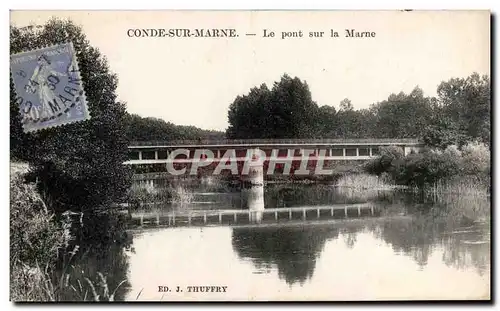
362,182
181,195
463,186
42,283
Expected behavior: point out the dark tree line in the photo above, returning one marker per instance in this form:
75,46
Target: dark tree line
460,112
153,129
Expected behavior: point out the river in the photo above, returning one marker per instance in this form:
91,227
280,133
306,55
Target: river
412,247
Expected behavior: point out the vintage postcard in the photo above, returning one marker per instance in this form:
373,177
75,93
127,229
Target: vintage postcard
250,156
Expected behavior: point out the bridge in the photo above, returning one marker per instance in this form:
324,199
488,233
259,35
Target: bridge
274,152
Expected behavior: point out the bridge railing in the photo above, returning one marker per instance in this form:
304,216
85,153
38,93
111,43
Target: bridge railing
276,141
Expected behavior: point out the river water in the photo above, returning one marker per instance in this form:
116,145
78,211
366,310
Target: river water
412,247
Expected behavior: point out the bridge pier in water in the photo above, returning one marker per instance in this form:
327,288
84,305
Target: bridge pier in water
252,191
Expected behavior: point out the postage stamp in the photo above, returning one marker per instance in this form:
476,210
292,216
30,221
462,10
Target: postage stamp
49,90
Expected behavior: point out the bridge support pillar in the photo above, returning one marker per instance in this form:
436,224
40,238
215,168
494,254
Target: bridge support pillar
255,176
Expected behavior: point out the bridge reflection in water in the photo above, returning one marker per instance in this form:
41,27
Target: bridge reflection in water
253,213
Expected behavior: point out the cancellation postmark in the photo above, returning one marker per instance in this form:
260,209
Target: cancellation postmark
49,89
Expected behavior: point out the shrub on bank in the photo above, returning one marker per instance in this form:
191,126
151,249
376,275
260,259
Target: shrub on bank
35,240
425,168
475,159
431,166
385,161
41,269
34,236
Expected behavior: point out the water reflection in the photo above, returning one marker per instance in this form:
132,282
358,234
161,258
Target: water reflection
431,228
292,250
417,247
253,199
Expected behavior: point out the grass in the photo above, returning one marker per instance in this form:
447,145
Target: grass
181,195
464,195
464,186
37,284
148,193
363,182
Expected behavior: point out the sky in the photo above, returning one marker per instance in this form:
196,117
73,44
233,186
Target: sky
192,81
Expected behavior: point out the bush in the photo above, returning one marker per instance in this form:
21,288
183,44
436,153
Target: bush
385,162
425,168
475,159
432,165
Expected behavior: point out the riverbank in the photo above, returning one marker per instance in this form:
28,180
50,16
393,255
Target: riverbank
44,254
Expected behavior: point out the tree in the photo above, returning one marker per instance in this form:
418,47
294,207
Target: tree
443,133
327,121
403,115
79,166
467,101
250,116
154,129
286,111
346,105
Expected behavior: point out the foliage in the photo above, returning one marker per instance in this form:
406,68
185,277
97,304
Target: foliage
431,166
425,168
285,111
352,123
34,236
459,114
403,115
78,166
467,101
385,161
42,284
475,159
39,267
444,133
154,129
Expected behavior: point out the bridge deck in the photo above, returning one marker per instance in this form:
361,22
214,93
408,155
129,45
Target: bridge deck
273,142
243,159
